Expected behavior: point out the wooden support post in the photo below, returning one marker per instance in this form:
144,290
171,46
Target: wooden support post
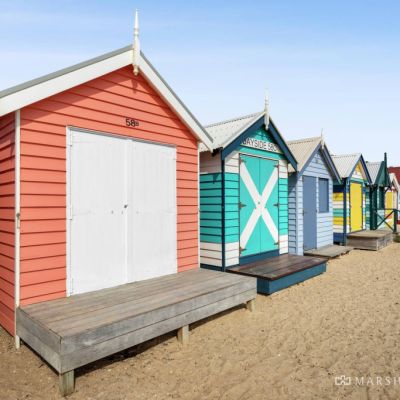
67,383
251,305
183,334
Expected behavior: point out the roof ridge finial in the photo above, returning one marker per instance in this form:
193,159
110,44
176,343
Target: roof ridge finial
266,109
136,44
322,138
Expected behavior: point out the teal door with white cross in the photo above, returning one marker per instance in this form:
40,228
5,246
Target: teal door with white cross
259,205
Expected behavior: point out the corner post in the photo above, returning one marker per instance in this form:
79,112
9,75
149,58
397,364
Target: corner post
223,246
183,334
251,305
346,190
17,222
66,383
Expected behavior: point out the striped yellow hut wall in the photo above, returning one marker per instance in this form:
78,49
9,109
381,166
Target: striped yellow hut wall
338,212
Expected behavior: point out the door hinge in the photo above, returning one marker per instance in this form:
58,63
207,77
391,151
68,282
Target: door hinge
277,243
241,249
18,218
70,139
241,160
241,205
69,212
276,205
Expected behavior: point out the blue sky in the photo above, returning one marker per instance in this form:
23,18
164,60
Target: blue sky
332,65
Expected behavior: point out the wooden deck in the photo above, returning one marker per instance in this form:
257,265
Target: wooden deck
370,240
330,251
74,331
280,272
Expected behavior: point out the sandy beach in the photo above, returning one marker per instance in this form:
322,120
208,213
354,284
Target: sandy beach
345,322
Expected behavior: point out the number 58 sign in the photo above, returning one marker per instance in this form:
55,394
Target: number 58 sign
131,122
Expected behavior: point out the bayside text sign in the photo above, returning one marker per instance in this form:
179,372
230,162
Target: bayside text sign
261,145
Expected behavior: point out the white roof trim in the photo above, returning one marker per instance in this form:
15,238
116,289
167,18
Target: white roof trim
49,87
394,181
22,95
172,99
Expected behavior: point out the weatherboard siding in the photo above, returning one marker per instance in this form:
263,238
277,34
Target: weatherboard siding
340,206
295,217
211,232
319,169
283,207
340,211
7,218
367,208
315,168
390,205
101,104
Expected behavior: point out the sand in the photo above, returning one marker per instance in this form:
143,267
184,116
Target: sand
345,322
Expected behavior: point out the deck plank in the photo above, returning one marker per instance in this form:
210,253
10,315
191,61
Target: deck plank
379,233
277,267
329,251
370,240
72,311
103,349
115,313
73,340
81,300
73,331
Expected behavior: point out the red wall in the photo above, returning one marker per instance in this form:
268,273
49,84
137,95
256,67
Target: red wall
101,104
396,171
7,227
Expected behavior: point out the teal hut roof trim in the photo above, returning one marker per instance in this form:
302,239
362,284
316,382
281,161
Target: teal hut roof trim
225,131
228,135
379,173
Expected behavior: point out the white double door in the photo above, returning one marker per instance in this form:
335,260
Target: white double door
121,211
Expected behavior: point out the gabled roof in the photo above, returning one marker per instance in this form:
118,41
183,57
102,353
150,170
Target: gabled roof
305,149
227,135
19,96
224,132
346,164
394,181
373,169
378,172
396,171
